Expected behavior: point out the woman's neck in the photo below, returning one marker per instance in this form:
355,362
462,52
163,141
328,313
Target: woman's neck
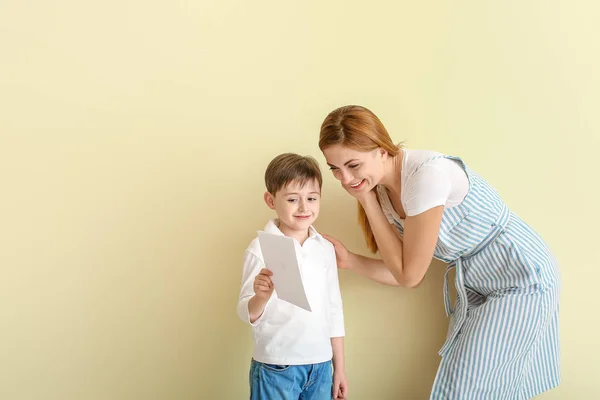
392,172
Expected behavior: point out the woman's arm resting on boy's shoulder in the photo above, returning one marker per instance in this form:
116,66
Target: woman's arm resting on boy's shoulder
373,269
409,258
340,382
368,267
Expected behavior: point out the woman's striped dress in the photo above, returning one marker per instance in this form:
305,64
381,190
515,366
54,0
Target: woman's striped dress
503,340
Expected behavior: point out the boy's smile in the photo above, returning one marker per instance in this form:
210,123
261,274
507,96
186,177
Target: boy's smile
297,207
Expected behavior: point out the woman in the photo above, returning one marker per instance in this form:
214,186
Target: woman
502,341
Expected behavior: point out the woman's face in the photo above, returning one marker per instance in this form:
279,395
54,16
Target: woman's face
358,171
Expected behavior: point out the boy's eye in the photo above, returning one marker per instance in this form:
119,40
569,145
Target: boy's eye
312,198
292,200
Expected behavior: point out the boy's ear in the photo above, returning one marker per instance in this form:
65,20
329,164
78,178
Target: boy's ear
270,200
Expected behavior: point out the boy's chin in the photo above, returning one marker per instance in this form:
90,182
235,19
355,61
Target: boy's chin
298,225
302,224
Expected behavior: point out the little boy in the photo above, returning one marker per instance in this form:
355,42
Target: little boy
294,349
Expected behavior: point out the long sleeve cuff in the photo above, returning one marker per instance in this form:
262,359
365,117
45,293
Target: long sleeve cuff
337,328
244,313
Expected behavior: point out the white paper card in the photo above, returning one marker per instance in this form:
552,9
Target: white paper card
280,258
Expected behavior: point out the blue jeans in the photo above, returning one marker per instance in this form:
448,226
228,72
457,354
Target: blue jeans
291,382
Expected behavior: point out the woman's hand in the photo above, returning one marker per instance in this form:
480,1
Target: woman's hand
343,257
363,196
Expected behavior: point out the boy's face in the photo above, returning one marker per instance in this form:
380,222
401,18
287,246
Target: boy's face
297,206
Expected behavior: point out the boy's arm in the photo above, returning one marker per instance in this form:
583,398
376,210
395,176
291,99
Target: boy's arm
337,344
250,308
256,308
340,382
337,331
336,308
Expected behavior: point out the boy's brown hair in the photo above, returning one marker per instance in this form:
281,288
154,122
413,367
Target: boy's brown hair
290,167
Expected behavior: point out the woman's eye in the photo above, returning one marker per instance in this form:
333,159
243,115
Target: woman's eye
353,166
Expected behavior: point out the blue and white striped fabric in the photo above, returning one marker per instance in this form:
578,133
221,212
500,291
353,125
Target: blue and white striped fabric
503,340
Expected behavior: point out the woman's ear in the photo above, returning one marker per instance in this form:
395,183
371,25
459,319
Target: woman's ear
270,200
383,153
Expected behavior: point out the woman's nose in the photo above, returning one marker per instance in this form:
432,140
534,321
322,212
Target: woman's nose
346,178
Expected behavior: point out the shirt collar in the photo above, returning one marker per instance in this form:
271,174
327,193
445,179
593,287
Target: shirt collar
273,227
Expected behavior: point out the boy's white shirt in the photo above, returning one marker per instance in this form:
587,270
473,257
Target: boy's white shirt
285,334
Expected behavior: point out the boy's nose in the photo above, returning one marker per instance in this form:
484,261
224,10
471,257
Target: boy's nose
302,205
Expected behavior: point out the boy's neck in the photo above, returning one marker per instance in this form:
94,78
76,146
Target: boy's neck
300,236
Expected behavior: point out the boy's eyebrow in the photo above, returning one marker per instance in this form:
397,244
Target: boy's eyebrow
346,163
297,194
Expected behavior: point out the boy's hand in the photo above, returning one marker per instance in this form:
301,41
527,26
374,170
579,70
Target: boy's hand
340,385
263,285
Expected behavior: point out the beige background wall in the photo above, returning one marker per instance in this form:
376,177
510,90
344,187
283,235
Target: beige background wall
133,139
